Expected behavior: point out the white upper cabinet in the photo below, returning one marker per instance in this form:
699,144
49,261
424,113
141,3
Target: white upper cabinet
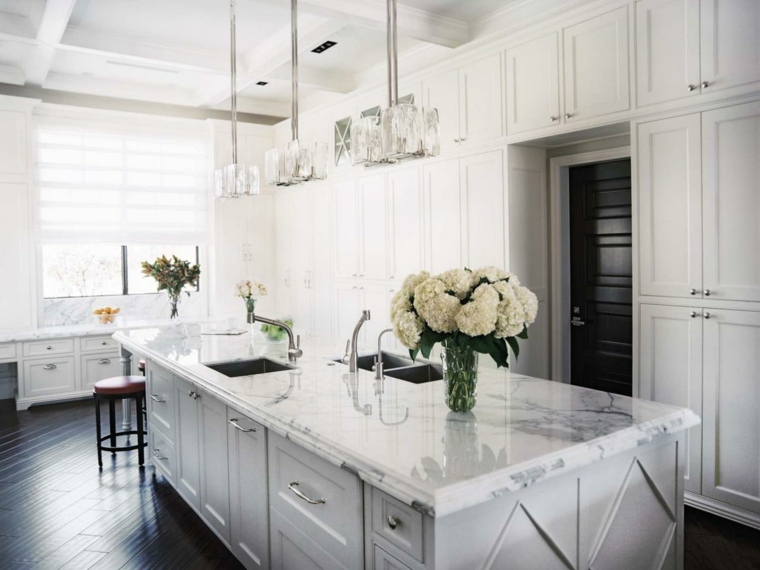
373,213
480,100
347,308
667,50
731,202
730,42
346,230
670,371
444,219
482,190
533,85
13,142
670,207
405,206
732,408
442,92
320,280
15,286
596,66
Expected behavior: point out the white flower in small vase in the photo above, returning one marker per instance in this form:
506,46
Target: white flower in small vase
250,290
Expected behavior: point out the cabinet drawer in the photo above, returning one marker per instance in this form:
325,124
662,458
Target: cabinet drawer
160,400
384,561
291,549
7,351
162,454
97,343
45,347
100,367
322,500
49,376
397,523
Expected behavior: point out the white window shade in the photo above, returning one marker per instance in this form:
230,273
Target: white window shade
121,183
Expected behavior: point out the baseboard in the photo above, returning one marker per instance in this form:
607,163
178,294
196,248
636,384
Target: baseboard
721,509
25,403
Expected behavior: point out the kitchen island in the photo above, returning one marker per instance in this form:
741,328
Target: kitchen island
313,467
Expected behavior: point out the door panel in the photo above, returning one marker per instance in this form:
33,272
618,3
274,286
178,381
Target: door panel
347,309
731,202
670,214
601,276
15,287
442,93
670,371
732,408
215,489
443,211
405,206
480,100
188,468
482,190
346,230
373,213
321,278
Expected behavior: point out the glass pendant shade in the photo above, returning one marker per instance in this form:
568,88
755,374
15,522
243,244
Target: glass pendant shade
298,163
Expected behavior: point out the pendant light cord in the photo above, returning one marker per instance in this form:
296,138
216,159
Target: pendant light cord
294,66
233,80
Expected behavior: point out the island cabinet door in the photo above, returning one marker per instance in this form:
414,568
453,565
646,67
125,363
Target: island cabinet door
215,488
670,371
249,503
732,408
188,475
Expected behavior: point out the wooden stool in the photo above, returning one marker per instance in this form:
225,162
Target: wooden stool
113,389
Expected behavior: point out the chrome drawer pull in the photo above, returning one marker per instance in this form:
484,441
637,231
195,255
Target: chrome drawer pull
393,522
193,394
104,361
234,423
49,367
300,495
157,455
155,398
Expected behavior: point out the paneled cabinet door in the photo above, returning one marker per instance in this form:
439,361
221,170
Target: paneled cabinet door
405,206
249,501
346,229
442,93
731,202
320,279
283,261
375,298
96,367
15,288
667,50
302,255
230,253
373,214
670,371
443,208
730,42
187,440
533,85
596,66
732,408
482,189
347,308
670,199
215,489
13,145
480,100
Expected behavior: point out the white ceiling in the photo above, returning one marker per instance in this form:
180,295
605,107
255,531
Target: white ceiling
177,51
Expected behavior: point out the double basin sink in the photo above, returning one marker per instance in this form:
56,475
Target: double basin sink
394,367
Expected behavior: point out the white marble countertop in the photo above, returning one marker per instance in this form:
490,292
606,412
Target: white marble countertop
400,436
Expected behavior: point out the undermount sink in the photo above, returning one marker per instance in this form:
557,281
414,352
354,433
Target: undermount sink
367,361
417,374
250,367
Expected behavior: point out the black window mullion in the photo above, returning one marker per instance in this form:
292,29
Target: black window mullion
124,271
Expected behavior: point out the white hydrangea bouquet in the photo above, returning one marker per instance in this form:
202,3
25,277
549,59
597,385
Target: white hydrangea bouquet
250,290
469,313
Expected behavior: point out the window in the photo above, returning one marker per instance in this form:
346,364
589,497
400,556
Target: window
89,270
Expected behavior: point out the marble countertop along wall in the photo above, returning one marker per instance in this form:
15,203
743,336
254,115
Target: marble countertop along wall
401,437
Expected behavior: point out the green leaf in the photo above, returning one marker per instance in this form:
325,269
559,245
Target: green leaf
413,352
428,340
523,333
514,346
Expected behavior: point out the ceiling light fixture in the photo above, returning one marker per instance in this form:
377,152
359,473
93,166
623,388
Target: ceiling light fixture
235,180
324,47
403,130
297,162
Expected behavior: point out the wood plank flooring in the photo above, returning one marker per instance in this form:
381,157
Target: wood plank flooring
57,511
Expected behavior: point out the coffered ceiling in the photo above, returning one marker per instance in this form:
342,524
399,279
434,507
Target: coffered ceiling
177,51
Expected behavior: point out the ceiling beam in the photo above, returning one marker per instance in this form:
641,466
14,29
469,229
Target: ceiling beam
53,24
323,80
12,75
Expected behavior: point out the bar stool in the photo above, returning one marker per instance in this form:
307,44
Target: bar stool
119,388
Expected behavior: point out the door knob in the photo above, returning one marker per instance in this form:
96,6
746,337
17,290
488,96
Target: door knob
691,87
708,315
568,116
693,314
708,292
577,323
706,84
554,119
692,291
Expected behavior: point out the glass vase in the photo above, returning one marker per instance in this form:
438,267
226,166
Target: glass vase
174,301
460,377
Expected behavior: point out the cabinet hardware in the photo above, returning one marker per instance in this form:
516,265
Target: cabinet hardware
155,398
393,522
104,343
361,276
463,139
692,291
708,315
554,118
706,84
193,394
49,348
234,423
104,361
568,116
354,275
157,455
693,314
392,291
691,88
392,277
300,495
457,140
577,323
708,292
49,367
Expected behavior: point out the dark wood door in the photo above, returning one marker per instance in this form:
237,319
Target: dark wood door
601,276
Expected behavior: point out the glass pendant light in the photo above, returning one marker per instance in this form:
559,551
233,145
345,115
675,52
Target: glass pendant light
403,130
297,162
235,180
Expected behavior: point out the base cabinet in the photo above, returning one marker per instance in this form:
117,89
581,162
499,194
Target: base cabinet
188,443
215,489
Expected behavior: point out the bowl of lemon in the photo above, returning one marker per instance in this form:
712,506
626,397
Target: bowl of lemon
106,315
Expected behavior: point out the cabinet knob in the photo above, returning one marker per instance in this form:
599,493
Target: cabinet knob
49,348
708,292
568,116
692,291
693,314
463,139
393,522
457,140
691,87
708,315
554,118
706,84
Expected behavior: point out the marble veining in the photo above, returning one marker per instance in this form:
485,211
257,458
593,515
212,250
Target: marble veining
401,437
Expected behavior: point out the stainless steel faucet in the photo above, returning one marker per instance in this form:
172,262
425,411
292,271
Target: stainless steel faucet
353,359
379,361
294,343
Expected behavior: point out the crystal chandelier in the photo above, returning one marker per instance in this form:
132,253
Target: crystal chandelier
403,130
235,180
297,162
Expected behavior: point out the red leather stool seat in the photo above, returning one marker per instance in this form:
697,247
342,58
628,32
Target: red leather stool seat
120,385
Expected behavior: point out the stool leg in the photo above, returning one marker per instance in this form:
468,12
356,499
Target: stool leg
97,431
112,418
140,449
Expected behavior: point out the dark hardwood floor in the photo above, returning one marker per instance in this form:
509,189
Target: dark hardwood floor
58,511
